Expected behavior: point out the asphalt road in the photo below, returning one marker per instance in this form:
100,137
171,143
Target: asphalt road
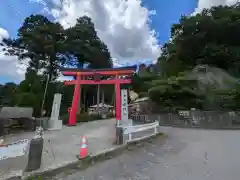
187,154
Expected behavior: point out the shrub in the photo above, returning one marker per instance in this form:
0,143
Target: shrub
85,117
81,117
64,118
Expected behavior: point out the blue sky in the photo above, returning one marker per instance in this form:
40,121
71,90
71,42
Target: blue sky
168,12
13,12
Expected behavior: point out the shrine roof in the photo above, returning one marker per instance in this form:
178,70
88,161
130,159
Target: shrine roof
133,68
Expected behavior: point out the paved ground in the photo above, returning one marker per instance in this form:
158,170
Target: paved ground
187,154
61,147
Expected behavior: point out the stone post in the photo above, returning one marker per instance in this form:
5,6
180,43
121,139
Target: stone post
54,122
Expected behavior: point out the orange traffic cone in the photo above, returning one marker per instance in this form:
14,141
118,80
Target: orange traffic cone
84,150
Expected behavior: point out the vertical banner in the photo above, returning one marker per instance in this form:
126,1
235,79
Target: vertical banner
124,104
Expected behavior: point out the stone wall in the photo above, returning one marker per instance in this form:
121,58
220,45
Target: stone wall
193,118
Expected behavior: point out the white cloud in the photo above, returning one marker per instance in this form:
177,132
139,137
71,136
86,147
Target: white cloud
3,34
122,24
9,65
209,3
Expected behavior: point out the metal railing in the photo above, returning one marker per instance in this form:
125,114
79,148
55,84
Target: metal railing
129,130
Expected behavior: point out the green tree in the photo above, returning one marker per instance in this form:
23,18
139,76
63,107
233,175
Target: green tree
7,94
30,92
176,93
83,44
41,41
210,37
44,39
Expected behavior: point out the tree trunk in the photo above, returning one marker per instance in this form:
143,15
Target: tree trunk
80,65
98,97
113,98
103,98
84,99
50,71
79,101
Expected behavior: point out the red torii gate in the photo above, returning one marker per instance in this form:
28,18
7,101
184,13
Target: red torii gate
96,73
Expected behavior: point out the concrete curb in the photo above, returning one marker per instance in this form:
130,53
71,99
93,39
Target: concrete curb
90,160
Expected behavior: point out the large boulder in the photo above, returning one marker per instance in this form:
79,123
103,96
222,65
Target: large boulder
212,77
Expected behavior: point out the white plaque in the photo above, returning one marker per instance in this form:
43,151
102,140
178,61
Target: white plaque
124,102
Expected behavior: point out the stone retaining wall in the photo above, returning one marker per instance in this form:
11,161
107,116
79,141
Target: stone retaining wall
194,119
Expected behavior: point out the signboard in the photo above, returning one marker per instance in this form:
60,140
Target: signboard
15,149
124,101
